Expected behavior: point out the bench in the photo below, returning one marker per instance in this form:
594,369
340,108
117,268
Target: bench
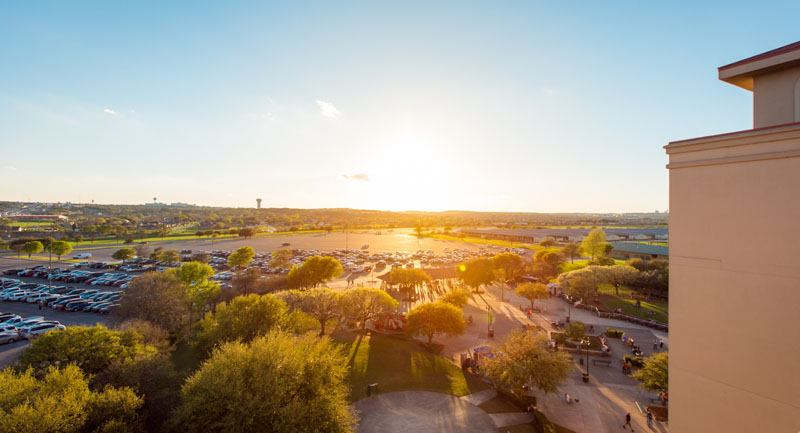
641,409
604,362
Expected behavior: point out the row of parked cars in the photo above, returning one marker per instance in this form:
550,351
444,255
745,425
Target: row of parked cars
114,279
14,327
60,297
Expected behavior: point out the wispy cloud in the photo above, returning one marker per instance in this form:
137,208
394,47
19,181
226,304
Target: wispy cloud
360,177
9,168
328,110
110,111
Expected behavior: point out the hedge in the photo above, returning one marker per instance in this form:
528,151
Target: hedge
613,333
636,361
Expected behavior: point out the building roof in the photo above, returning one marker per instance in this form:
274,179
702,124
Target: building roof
633,247
741,73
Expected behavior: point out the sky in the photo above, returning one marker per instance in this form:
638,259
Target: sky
414,105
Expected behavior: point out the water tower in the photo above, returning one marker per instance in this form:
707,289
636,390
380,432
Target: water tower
258,203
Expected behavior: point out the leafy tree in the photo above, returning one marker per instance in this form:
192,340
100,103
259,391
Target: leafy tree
246,233
435,318
124,254
277,383
200,291
476,272
582,283
91,348
157,297
507,267
408,278
525,360
169,257
547,243
194,273
60,248
162,231
314,271
618,276
602,261
32,247
655,373
550,257
363,304
594,243
247,281
576,331
457,296
156,253
245,318
142,251
532,291
607,248
279,259
241,258
62,402
320,303
571,250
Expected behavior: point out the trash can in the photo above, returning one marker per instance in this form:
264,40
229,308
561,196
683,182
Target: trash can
491,333
372,388
585,377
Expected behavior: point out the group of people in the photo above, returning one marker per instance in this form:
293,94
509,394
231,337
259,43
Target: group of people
628,420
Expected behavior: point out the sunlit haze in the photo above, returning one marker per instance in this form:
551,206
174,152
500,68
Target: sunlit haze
513,106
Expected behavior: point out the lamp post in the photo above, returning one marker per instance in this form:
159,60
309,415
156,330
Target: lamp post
586,342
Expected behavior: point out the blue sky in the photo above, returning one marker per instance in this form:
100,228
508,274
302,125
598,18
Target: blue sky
499,106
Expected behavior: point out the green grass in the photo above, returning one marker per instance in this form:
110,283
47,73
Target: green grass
580,264
481,241
400,365
610,301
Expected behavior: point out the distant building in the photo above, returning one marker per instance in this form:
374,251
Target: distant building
37,217
635,250
533,236
734,361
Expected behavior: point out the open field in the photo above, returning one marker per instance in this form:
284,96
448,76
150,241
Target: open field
611,301
481,241
400,365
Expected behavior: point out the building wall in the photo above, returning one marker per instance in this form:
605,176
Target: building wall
734,326
774,98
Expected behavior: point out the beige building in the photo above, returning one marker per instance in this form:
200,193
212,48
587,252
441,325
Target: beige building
735,262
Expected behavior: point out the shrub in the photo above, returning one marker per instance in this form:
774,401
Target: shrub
613,333
636,361
559,338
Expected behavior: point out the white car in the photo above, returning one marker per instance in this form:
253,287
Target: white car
41,329
8,337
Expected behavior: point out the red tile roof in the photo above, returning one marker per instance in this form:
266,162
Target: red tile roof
768,54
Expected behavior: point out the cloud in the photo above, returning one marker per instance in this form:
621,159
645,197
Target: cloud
360,176
328,110
110,111
549,91
9,168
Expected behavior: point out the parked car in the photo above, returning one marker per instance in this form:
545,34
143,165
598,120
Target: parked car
42,329
8,337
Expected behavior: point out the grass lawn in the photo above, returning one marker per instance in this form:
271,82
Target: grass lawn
580,264
610,301
400,365
474,240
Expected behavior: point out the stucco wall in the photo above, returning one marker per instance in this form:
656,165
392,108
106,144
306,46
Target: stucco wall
735,285
774,99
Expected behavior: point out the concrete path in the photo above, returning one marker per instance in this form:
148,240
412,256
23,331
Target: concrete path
480,397
507,419
421,411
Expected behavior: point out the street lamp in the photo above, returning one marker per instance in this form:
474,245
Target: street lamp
587,343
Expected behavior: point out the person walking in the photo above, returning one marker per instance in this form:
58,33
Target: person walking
627,421
40,304
649,418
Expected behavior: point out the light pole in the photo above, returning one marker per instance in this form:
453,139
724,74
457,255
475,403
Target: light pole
587,343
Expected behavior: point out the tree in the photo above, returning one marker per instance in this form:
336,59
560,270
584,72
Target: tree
618,276
32,247
169,257
576,331
157,297
547,243
550,257
363,304
280,259
524,360
142,251
60,248
507,266
602,261
124,254
62,402
457,296
582,283
594,243
655,373
246,233
162,231
246,282
476,272
314,271
571,250
277,383
156,253
91,348
322,304
17,247
200,291
243,319
408,279
241,258
532,291
435,318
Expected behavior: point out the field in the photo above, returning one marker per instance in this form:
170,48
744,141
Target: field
567,266
481,241
400,365
610,301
